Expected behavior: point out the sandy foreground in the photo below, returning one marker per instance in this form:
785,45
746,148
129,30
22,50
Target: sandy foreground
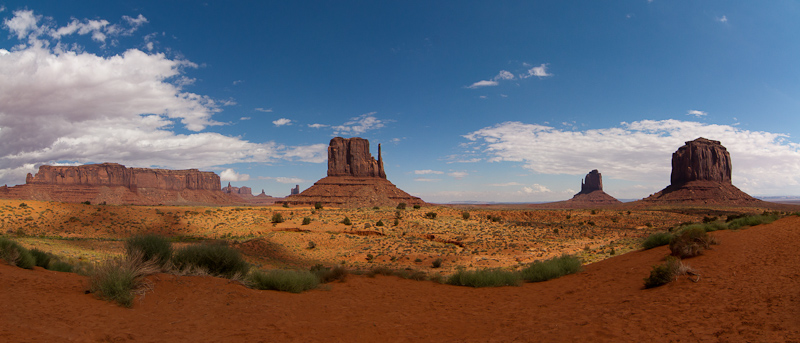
749,291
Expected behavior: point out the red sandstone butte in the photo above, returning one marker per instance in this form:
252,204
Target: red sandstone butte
592,192
355,179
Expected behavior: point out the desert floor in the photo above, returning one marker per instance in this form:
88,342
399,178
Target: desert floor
749,291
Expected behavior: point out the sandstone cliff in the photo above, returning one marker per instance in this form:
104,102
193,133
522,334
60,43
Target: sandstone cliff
592,182
351,157
115,175
591,193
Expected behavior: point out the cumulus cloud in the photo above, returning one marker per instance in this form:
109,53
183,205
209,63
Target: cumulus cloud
316,153
282,122
536,188
317,126
696,113
427,171
641,151
231,175
483,83
540,72
359,125
266,110
724,19
502,75
422,179
457,174
245,118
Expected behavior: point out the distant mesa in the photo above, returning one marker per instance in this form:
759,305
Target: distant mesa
295,190
701,173
246,194
355,179
592,191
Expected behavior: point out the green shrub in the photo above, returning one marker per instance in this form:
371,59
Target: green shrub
326,274
690,242
379,223
317,205
484,278
152,247
42,258
286,204
277,218
416,207
306,221
550,269
216,259
401,206
346,221
662,274
741,222
465,215
430,215
61,266
436,263
656,240
15,254
294,281
117,279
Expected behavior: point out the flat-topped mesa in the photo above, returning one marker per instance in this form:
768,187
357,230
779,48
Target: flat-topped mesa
701,160
592,182
351,157
115,175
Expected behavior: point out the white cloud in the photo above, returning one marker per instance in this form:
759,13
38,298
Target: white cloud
427,171
135,22
502,75
316,153
22,24
2,8
482,96
724,19
231,175
281,179
266,110
359,125
507,184
282,122
536,188
763,162
696,113
245,118
540,71
236,82
420,179
483,83
458,174
317,126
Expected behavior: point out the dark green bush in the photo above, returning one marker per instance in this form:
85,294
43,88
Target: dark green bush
436,263
401,206
152,247
416,207
42,258
656,240
326,274
216,259
306,221
465,215
430,215
484,278
550,269
739,223
317,205
15,254
277,218
662,274
690,242
346,221
379,223
294,281
61,266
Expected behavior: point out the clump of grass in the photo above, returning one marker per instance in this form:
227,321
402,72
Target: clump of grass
484,278
401,206
42,258
15,254
121,278
277,218
306,221
215,259
379,223
690,242
430,215
346,221
317,205
742,222
295,281
662,274
152,247
436,263
550,269
327,274
465,215
656,240
416,207
61,266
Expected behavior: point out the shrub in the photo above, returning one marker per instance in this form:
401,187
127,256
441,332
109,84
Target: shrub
465,215
741,222
346,221
436,263
87,202
117,279
396,222
312,245
286,204
216,259
656,240
61,266
662,274
42,258
152,247
416,207
401,206
430,215
15,254
325,274
306,221
484,278
277,218
294,281
379,223
690,242
550,269
318,205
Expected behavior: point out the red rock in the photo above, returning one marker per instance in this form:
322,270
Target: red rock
591,192
351,157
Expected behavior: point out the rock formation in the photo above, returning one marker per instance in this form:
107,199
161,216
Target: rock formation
295,190
246,194
355,179
113,183
240,191
592,192
701,173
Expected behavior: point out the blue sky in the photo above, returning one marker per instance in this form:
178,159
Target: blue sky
472,101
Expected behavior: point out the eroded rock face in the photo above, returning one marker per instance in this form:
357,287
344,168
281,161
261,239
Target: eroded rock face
592,182
351,157
114,175
701,160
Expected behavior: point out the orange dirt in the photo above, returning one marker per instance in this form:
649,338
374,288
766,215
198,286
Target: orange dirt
749,291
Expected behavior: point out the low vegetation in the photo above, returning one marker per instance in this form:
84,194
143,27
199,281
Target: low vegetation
15,254
690,242
656,240
152,248
662,274
119,279
484,278
214,259
550,269
294,281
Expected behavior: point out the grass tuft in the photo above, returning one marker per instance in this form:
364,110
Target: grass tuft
15,254
656,240
152,247
484,278
690,242
216,259
326,275
550,269
662,274
119,279
42,258
294,281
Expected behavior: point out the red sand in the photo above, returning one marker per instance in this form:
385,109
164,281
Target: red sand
749,291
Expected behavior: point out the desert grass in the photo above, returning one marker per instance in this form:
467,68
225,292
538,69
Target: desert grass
120,279
690,242
327,274
484,278
743,222
216,259
662,274
550,269
15,254
656,240
294,281
42,258
152,247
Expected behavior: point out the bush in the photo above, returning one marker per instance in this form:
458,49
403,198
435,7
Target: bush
484,278
306,221
317,205
117,279
277,218
216,259
739,223
656,240
430,215
416,207
690,242
61,266
346,221
379,223
294,281
42,258
550,269
663,274
152,247
312,245
325,274
465,215
15,254
436,263
401,206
